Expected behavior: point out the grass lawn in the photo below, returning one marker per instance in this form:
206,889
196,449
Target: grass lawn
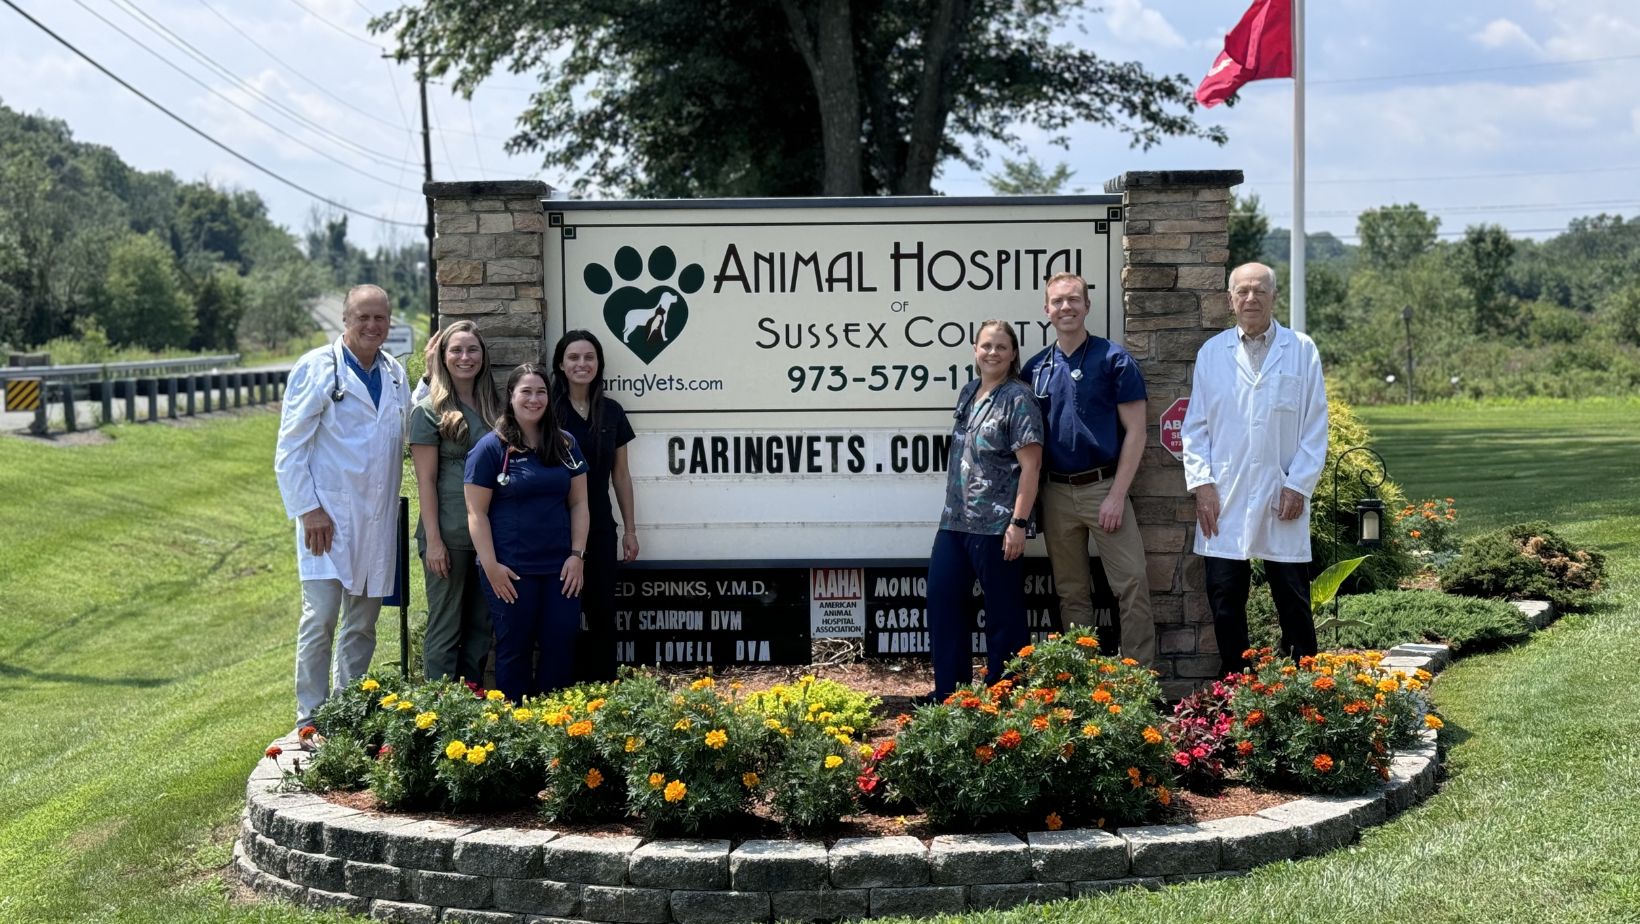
147,616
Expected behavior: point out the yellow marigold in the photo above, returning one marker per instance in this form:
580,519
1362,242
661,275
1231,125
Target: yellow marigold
1423,675
558,718
594,779
1388,685
632,744
404,705
476,756
656,781
523,715
1107,668
594,705
1090,730
1365,679
1433,721
825,716
577,729
1152,736
717,738
682,725
704,683
865,751
1288,670
492,717
749,780
843,740
495,696
806,679
771,724
425,720
1053,821
455,750
833,761
388,700
675,791
489,745
369,685
846,729
1412,684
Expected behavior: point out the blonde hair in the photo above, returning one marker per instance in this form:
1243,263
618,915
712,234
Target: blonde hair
441,392
1061,277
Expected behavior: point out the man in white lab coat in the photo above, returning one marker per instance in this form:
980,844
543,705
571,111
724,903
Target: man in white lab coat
339,461
1255,440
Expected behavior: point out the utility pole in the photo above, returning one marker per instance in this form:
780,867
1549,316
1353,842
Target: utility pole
427,176
1406,317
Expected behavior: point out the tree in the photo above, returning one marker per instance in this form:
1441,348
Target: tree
219,306
1027,178
1482,261
1620,315
1248,227
1395,235
707,98
144,302
279,296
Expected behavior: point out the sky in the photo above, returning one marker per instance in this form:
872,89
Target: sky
1519,113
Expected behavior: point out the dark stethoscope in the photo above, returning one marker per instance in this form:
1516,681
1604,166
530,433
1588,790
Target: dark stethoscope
1044,373
503,479
337,392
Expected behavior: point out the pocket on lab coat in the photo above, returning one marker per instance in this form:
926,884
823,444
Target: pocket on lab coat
1289,393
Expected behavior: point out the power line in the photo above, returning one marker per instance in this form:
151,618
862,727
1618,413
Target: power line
292,69
1450,177
230,100
187,48
343,30
200,132
1477,70
1517,208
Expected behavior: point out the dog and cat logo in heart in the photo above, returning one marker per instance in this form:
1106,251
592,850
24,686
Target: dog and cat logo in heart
647,320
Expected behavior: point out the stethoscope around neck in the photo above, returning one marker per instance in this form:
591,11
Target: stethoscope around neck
1043,374
337,392
503,479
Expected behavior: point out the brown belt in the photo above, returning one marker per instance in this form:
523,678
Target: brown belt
1077,479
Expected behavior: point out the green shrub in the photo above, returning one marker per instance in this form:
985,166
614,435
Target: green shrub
1393,617
341,762
1333,523
582,742
813,762
1073,736
1325,724
1526,561
846,706
696,746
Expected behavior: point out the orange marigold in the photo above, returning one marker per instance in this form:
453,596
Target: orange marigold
1101,696
1040,723
1323,683
1053,821
1088,641
675,791
1152,736
1323,763
1010,738
1433,721
1253,718
594,779
1244,748
1114,709
1027,651
577,729
984,753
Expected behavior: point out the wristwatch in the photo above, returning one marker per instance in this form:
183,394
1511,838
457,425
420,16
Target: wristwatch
1020,522
579,553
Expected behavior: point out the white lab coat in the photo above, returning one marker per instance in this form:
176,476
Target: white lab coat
346,456
1251,435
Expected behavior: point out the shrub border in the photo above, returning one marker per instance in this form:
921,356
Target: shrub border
302,849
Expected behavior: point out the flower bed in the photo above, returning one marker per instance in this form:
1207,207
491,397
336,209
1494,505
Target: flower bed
304,849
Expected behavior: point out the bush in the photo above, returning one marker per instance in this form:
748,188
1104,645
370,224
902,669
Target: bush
1325,724
1392,617
1332,523
1526,561
814,761
1072,734
1429,529
582,745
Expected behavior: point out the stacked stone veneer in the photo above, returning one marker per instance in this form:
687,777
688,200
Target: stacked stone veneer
300,848
487,252
1175,243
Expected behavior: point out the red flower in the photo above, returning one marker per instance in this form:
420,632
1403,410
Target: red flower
1244,748
867,781
385,752
1010,738
1182,758
306,732
273,750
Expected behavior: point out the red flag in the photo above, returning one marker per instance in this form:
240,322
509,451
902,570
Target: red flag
1258,48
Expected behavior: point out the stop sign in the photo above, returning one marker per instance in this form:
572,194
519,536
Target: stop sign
1173,427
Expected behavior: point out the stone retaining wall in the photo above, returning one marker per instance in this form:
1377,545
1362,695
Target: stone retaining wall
302,849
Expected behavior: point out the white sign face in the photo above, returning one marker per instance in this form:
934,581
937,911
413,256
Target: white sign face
792,371
837,603
400,340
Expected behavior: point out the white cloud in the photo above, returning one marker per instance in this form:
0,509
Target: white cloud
1504,33
1132,22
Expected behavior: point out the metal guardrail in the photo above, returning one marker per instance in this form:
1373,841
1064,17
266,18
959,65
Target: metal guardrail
98,372
186,384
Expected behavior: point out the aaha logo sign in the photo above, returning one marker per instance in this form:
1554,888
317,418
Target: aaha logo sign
648,311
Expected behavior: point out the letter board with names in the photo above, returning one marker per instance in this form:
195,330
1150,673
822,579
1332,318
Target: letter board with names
690,617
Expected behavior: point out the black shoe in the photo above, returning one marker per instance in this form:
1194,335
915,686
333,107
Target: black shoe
930,698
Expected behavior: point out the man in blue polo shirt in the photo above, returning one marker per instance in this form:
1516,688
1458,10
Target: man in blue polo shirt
1093,406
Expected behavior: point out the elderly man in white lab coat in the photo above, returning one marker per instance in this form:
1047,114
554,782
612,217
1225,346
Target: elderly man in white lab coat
1255,439
339,461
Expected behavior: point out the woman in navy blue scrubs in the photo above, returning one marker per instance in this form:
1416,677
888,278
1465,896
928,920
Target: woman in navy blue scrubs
526,488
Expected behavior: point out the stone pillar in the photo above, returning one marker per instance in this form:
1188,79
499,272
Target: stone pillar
487,249
1175,245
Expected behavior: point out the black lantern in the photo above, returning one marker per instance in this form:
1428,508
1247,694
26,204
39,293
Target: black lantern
1369,521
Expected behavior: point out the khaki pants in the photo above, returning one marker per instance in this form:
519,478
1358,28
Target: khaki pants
1069,514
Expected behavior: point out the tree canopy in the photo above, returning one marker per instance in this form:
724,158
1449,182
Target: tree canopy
800,97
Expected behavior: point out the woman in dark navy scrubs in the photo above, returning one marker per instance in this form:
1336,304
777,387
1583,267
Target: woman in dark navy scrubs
526,490
600,428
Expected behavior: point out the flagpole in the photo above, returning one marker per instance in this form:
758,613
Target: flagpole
1296,283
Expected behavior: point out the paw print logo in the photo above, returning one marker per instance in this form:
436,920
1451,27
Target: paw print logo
646,320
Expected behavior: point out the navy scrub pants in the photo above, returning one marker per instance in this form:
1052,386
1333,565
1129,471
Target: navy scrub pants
541,617
956,561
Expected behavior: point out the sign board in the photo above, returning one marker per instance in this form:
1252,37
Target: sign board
791,367
1172,427
23,395
400,342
